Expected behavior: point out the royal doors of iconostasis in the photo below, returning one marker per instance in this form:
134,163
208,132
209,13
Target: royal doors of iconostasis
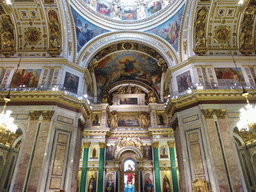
130,172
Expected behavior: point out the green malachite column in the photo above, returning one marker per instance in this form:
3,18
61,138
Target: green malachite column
156,165
173,165
101,168
84,168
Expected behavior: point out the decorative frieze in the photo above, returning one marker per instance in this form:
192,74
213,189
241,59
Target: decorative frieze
47,115
34,115
86,144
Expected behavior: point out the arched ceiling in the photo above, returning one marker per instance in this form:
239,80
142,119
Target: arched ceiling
178,32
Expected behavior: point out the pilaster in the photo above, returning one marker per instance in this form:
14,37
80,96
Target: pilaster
155,145
27,151
101,167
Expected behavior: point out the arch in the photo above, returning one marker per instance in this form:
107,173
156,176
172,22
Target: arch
128,148
95,45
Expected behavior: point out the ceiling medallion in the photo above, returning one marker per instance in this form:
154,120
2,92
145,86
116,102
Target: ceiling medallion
127,46
33,35
222,34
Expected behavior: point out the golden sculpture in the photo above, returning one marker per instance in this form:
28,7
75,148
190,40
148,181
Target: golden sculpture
246,39
144,120
200,186
200,31
161,63
128,141
105,97
114,120
151,97
7,31
54,34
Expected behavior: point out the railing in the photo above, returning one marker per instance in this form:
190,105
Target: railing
58,87
197,86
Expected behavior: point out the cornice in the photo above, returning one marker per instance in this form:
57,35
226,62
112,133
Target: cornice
95,131
161,131
214,96
47,98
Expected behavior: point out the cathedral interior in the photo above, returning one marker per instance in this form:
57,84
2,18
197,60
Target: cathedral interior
128,95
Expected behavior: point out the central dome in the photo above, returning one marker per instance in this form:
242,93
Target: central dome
127,9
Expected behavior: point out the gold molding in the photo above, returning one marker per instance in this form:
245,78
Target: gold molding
86,144
220,113
47,115
34,115
208,113
171,144
155,144
102,144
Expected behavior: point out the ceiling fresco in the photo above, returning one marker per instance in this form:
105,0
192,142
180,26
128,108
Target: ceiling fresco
170,29
128,65
85,31
126,9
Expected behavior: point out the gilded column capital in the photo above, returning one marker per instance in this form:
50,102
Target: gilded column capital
34,115
171,144
155,144
102,144
86,144
47,115
208,113
220,113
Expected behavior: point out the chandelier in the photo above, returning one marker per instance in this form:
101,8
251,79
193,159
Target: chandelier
247,120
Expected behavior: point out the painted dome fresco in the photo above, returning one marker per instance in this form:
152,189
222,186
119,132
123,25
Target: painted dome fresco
127,10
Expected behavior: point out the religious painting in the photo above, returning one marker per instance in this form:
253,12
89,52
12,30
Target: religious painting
184,81
128,65
163,152
147,151
128,120
229,76
71,82
128,101
103,8
110,152
161,118
129,13
148,182
96,119
92,181
110,186
153,7
94,150
129,175
85,31
166,184
170,29
26,78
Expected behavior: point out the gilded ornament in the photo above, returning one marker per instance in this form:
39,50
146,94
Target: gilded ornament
222,34
32,35
128,141
199,185
7,35
151,97
171,144
54,34
155,144
102,145
208,113
34,115
47,115
144,120
86,144
200,31
161,63
220,113
185,46
246,36
113,120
